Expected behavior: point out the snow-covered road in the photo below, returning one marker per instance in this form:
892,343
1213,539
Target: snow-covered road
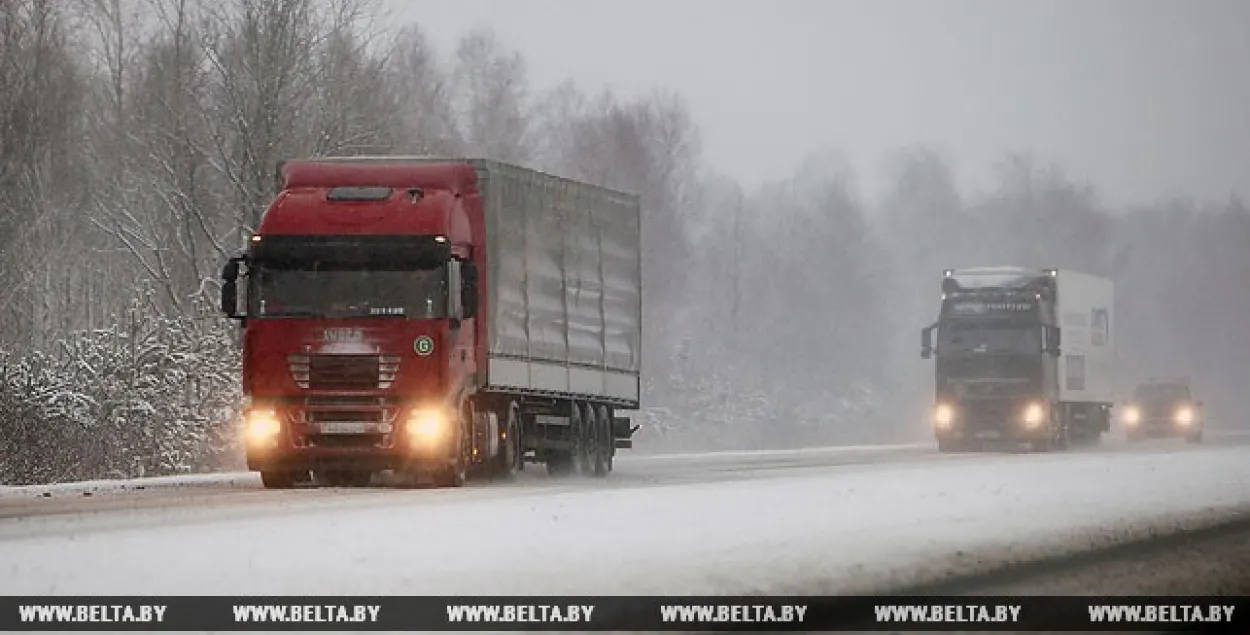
830,521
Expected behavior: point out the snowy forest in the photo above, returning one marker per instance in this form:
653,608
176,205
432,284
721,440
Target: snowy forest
138,140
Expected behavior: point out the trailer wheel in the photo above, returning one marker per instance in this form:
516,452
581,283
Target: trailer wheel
597,451
563,462
607,442
584,431
278,480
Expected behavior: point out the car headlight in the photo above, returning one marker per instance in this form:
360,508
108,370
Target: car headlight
1132,415
943,415
261,426
1185,416
427,426
1033,414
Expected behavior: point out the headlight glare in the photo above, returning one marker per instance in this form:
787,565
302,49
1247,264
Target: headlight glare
261,426
943,415
1033,414
1132,415
1185,416
427,426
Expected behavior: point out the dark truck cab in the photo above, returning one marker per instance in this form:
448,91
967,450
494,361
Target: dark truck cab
1163,408
1000,375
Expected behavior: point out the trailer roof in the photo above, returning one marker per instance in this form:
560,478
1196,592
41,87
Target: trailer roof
398,166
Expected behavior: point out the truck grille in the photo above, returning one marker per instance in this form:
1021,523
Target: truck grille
331,408
329,416
989,414
366,418
343,372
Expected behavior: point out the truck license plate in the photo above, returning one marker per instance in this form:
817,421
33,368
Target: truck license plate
343,427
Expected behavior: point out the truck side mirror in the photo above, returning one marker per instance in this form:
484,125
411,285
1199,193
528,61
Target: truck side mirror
229,298
230,289
468,292
926,342
1052,344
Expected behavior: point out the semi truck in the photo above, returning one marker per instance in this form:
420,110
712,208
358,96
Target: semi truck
438,319
1002,375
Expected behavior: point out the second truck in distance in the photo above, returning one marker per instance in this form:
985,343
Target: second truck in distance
1001,375
436,316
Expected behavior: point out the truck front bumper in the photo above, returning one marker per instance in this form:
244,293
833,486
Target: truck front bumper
278,439
368,460
992,422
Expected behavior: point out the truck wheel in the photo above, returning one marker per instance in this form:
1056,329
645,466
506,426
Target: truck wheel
947,446
456,474
509,461
278,480
1061,441
453,476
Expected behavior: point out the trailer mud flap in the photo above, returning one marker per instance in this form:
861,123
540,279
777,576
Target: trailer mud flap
622,431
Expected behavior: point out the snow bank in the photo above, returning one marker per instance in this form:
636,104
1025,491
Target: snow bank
740,454
225,479
250,480
841,529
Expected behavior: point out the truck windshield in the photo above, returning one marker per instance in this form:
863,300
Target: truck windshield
1161,393
988,336
336,293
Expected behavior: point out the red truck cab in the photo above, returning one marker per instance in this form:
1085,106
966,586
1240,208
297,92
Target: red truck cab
363,286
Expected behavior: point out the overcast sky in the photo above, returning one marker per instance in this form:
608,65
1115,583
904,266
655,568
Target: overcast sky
1143,97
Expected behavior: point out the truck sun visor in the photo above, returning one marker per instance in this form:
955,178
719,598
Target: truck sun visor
346,194
402,251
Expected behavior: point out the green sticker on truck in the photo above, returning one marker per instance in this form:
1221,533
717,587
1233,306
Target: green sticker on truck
424,345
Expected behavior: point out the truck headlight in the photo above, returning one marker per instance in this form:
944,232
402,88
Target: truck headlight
1132,415
1033,414
1185,416
261,426
943,415
427,426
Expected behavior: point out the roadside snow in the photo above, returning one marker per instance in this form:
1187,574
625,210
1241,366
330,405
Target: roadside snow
251,480
224,479
842,529
830,450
